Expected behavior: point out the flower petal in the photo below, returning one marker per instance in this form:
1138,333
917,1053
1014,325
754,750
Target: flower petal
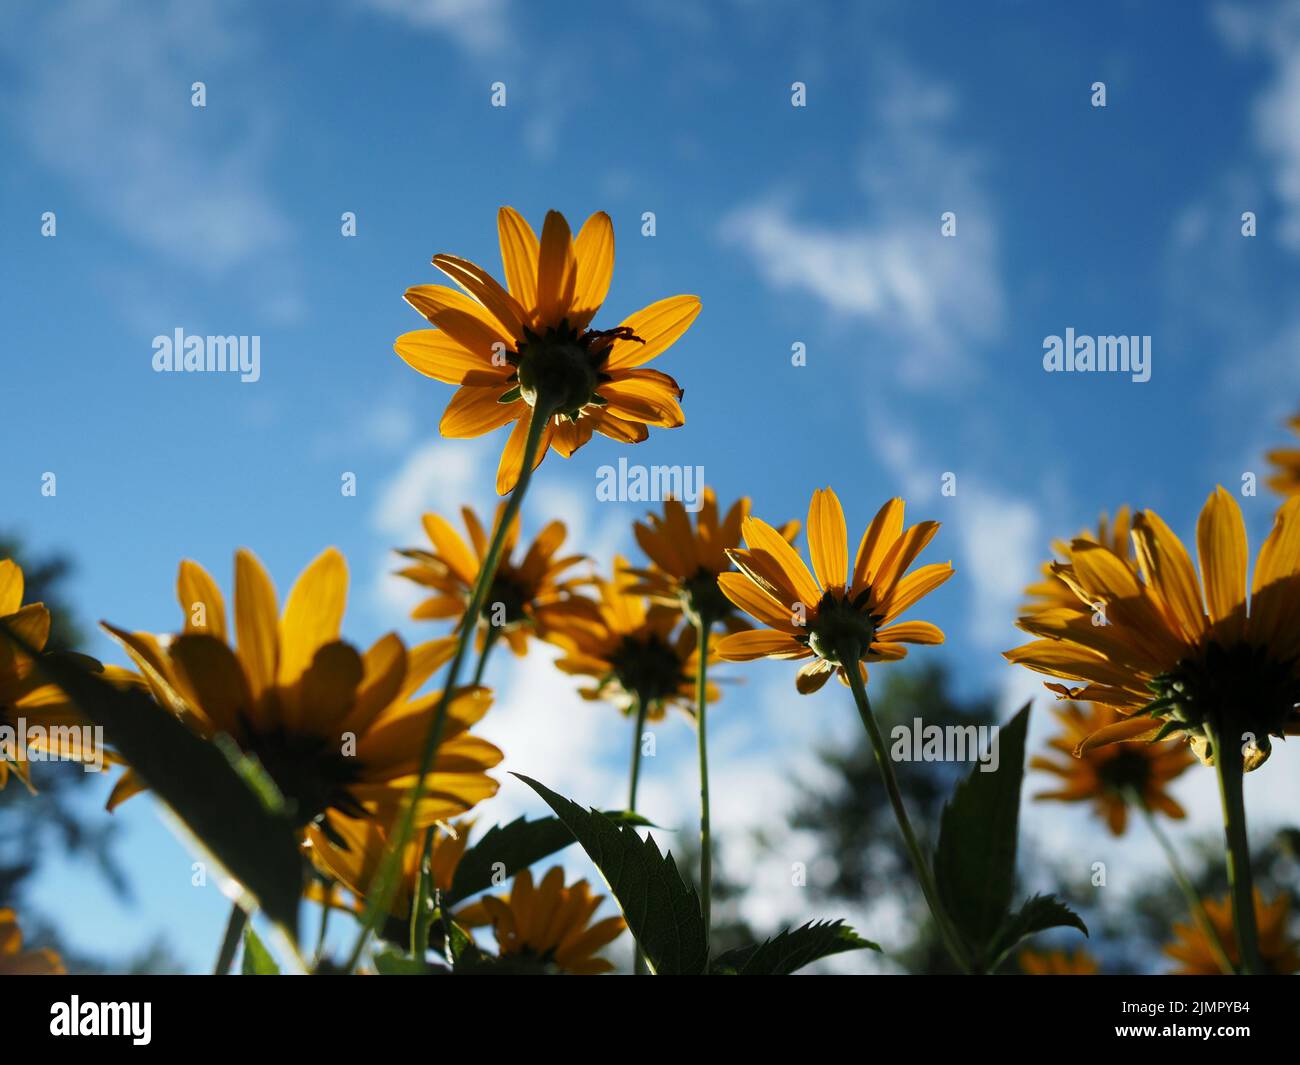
659,326
828,539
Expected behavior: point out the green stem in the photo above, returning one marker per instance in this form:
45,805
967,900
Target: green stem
641,706
702,627
1190,894
386,881
489,638
328,889
919,863
1227,762
230,943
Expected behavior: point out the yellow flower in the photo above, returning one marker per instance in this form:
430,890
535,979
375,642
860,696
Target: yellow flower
353,856
339,732
687,562
527,594
1277,949
1052,591
1058,963
1109,776
548,924
14,961
38,712
629,648
847,613
1167,658
505,347
1286,479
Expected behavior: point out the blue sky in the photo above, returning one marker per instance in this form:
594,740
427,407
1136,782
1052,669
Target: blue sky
817,225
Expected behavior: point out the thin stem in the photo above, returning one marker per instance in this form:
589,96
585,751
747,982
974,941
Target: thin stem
919,863
1227,762
490,636
702,627
641,706
325,906
1190,894
386,880
234,932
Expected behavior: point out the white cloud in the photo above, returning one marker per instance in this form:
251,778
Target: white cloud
481,27
1275,32
1002,546
934,297
103,101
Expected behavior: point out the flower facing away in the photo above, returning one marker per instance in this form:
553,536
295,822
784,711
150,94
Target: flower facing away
1111,776
339,732
841,616
1286,477
686,562
14,961
1277,949
1052,591
527,595
547,924
1174,654
352,851
1058,963
507,348
629,648
37,712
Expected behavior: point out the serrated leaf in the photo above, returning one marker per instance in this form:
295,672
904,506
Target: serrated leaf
257,959
975,862
791,950
661,910
212,799
506,849
1038,914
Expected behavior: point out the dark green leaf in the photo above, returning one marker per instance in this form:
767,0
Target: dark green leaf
791,950
975,863
257,959
213,799
506,849
661,911
1039,913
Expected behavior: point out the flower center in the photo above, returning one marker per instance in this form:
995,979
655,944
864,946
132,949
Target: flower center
560,367
1238,690
311,772
839,629
511,595
702,598
649,668
1125,769
563,367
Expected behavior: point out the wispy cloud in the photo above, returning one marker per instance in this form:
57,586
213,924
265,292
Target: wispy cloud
481,27
937,298
103,101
